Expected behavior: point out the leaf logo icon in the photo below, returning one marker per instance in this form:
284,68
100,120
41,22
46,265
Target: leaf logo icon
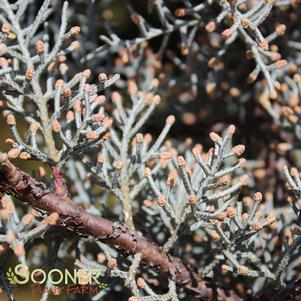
10,275
102,285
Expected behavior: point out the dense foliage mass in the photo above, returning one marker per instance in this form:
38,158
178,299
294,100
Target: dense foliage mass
113,102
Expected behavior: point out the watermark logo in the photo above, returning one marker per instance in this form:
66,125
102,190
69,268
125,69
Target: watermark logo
77,281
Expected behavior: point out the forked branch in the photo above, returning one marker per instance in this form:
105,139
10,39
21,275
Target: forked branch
67,214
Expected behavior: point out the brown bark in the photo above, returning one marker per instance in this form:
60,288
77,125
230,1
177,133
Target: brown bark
17,183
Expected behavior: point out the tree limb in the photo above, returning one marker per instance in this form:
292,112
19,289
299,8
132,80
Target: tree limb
17,183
